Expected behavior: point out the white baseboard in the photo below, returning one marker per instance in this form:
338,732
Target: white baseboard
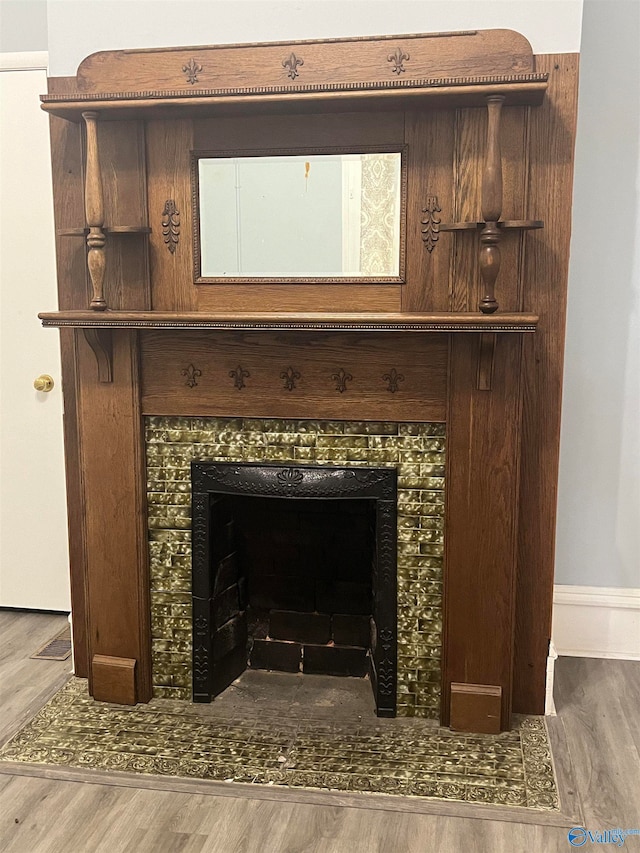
549,704
596,622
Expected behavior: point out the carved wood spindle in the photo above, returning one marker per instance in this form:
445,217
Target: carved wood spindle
491,207
94,212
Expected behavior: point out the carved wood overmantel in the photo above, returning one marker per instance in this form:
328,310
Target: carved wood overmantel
470,333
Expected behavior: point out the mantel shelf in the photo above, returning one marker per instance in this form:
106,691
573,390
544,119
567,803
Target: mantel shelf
108,229
518,89
504,224
317,322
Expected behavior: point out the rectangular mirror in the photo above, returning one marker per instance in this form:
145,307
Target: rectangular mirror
303,216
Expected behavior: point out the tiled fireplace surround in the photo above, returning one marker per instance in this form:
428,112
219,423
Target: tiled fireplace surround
416,450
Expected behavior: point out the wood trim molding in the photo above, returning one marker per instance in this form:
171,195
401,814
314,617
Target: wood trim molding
294,321
114,679
301,150
475,707
435,94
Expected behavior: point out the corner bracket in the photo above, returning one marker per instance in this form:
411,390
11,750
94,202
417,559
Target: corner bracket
100,341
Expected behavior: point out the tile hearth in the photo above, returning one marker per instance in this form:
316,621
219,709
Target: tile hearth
322,743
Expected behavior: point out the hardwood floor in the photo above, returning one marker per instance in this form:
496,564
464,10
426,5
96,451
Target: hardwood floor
598,742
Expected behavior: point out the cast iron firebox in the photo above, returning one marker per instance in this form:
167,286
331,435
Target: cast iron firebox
219,646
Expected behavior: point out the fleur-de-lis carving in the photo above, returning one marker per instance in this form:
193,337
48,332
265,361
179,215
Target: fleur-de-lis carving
431,222
290,476
394,379
290,377
399,57
192,69
341,378
292,62
192,374
239,375
171,225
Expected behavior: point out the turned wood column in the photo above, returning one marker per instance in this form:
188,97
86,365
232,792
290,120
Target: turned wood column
491,207
94,212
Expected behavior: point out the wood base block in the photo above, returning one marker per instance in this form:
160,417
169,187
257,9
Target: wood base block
114,679
476,708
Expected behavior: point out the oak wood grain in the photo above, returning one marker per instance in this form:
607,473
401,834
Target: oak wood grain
483,451
75,503
122,166
67,171
429,137
544,285
437,55
256,132
167,387
247,298
113,679
458,93
112,460
168,167
443,321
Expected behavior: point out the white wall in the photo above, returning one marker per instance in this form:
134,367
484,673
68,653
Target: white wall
23,25
598,540
80,27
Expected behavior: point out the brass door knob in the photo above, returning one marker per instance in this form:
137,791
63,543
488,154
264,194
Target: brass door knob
43,383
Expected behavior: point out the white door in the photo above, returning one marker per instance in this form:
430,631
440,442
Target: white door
34,560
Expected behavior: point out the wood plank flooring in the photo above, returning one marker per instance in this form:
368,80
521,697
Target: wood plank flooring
598,732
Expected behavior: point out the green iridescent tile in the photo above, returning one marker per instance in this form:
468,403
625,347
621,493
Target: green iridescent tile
227,439
370,428
342,441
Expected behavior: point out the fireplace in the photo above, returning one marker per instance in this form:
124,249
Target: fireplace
363,472
330,357
292,606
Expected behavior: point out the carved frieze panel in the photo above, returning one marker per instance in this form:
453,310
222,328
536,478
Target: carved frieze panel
245,374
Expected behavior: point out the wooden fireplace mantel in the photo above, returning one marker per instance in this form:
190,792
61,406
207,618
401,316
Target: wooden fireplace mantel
486,133
442,321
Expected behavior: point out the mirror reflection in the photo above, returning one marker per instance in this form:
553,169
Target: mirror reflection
308,215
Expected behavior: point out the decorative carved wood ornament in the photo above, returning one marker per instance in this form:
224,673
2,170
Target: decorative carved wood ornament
398,57
341,378
290,377
192,373
292,62
239,375
431,222
393,378
192,69
171,225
